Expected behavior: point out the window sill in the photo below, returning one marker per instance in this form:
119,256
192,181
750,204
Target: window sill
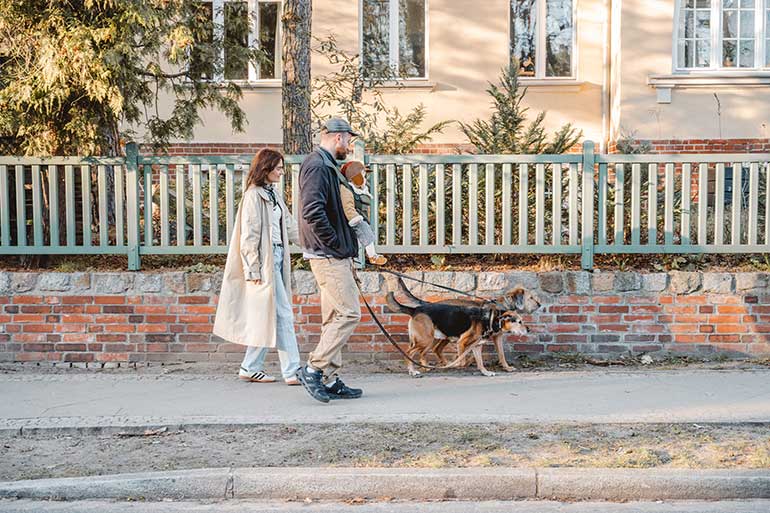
719,79
560,85
422,85
245,84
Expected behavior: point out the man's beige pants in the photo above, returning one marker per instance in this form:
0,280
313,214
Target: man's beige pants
340,311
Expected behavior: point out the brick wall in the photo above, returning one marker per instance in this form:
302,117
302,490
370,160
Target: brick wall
706,146
658,146
167,317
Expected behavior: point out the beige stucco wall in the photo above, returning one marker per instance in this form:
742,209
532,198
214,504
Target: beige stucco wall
468,46
646,39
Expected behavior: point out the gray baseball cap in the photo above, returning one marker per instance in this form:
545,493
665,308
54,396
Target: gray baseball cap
336,125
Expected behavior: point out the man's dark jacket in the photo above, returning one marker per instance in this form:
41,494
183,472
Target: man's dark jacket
323,227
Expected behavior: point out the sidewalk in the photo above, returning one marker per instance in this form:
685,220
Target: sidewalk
66,401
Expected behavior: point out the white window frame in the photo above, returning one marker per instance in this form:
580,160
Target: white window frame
253,13
393,33
540,47
761,33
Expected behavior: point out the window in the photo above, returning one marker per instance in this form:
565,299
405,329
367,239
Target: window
542,38
243,25
723,34
393,38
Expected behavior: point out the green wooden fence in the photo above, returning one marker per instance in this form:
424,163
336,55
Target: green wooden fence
559,204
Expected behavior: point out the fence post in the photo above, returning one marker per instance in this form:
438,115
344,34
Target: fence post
587,236
132,205
359,154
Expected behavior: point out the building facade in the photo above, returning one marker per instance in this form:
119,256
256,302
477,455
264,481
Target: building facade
686,75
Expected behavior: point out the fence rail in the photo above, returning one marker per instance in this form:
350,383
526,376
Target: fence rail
565,204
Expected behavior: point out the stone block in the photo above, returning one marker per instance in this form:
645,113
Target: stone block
526,279
303,283
80,281
198,282
22,282
745,282
577,282
149,282
54,282
494,282
112,283
552,282
370,282
718,283
174,282
685,282
654,282
627,281
5,282
603,281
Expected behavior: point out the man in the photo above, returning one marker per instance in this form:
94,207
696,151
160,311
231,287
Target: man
330,245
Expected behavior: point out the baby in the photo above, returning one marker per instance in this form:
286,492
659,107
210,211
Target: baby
354,202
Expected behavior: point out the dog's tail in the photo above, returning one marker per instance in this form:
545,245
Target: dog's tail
406,292
396,307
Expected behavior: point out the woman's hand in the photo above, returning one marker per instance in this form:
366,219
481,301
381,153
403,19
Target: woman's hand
255,282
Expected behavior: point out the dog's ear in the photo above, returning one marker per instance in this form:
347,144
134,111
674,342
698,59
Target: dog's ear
518,296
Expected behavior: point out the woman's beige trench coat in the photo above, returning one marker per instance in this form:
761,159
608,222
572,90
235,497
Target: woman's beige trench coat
246,311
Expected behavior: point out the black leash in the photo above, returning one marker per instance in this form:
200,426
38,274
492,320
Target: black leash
401,275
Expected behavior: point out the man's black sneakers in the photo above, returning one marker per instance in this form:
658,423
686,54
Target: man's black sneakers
339,390
313,383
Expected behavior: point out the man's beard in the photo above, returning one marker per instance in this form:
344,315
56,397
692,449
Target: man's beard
340,153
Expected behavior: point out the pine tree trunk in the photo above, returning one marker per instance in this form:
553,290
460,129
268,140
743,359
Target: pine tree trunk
297,129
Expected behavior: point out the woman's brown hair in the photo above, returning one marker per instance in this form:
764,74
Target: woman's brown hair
264,161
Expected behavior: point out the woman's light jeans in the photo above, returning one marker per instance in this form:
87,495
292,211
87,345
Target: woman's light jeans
286,339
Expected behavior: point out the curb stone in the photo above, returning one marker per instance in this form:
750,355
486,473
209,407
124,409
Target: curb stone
406,484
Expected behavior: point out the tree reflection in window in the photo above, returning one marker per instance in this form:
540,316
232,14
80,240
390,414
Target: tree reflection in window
547,50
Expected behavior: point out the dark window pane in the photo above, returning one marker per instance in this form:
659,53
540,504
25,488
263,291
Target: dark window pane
236,41
411,38
268,27
524,35
703,54
376,37
202,26
746,58
558,38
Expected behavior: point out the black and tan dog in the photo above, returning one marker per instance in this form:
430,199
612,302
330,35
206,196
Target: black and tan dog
430,324
519,300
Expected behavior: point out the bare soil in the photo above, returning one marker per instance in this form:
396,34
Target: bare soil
389,445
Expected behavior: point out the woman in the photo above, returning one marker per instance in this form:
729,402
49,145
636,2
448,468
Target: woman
255,301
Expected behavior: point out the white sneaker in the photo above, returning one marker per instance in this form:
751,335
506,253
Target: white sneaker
256,377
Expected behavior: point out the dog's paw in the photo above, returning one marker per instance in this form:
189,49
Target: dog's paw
489,374
510,369
416,374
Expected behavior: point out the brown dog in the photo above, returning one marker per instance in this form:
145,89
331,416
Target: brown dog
470,325
519,300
